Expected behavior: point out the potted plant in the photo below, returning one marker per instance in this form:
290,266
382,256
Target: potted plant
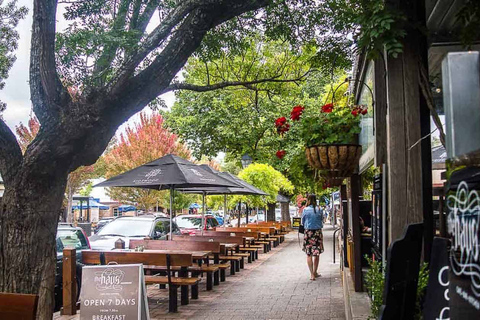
329,132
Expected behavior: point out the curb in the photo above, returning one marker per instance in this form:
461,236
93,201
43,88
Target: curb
357,304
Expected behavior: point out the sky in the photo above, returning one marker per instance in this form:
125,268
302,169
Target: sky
17,92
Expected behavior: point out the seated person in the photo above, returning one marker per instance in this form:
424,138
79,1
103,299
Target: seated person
363,227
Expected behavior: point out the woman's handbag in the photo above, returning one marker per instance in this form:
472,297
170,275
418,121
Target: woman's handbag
301,229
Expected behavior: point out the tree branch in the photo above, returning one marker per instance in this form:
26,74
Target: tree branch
221,85
47,92
152,81
10,153
160,33
110,50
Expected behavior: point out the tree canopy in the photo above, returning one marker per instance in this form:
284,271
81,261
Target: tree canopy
141,143
265,178
10,15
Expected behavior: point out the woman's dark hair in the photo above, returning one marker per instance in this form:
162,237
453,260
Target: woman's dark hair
312,200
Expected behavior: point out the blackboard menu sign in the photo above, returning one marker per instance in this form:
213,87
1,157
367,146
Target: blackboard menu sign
113,292
463,202
436,300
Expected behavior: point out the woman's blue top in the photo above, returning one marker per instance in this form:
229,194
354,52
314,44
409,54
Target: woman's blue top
312,220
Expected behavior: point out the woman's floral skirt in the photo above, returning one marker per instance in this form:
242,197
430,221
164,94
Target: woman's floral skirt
313,242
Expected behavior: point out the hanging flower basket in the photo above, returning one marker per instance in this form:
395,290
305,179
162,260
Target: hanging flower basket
340,158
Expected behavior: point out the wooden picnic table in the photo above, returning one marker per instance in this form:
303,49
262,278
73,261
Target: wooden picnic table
230,247
198,256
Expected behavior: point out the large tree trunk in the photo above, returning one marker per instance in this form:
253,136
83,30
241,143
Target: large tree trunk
285,209
271,212
29,214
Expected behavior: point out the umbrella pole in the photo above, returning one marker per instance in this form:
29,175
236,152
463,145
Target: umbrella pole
171,213
203,212
224,208
239,212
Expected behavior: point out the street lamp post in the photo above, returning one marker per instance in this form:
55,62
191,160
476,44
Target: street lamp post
246,160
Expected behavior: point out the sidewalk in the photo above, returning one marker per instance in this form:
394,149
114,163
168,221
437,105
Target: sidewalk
276,286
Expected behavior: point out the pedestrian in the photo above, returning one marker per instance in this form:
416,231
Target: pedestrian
312,221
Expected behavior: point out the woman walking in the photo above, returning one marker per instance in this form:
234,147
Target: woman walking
312,221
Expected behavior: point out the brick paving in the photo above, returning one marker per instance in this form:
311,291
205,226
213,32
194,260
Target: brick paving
276,286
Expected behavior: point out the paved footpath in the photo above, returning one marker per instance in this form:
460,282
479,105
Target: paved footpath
276,286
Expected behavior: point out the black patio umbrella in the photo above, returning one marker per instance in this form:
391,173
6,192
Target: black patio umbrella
244,188
168,172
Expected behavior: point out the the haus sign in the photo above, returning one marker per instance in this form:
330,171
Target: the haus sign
463,222
113,292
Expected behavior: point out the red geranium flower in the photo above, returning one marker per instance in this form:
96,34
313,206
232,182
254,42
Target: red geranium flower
296,112
327,108
364,111
284,128
355,112
282,125
280,154
280,122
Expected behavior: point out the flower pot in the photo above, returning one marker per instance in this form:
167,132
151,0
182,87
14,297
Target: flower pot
340,158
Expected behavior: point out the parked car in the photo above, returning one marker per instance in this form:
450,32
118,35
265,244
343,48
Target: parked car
189,223
73,237
102,223
127,228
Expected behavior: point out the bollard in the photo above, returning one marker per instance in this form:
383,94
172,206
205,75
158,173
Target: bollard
69,282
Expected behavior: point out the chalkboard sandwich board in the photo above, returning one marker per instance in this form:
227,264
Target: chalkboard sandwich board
113,292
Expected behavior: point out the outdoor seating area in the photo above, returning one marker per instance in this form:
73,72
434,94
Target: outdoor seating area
190,262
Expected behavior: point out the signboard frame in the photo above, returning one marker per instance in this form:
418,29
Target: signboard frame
142,301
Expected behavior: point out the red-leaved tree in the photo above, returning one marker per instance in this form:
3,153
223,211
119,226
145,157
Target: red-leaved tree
141,143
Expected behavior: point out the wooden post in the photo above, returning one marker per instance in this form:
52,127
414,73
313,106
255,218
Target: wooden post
69,291
380,113
409,173
355,229
344,213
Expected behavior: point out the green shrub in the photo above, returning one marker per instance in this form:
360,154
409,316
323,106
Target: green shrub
375,281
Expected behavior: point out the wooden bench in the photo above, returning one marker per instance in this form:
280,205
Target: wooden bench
258,243
268,231
156,259
279,229
247,247
18,306
236,262
212,271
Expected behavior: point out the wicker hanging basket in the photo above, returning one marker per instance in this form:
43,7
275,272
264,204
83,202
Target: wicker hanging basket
339,158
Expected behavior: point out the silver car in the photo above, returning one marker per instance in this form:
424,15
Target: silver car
127,228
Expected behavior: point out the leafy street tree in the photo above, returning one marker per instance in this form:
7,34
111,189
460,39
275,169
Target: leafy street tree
267,179
10,15
200,118
120,66
76,180
142,143
240,120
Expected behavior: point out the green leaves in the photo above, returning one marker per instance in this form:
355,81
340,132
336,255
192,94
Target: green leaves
267,179
10,15
239,119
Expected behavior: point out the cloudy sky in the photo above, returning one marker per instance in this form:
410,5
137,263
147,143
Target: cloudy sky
17,92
